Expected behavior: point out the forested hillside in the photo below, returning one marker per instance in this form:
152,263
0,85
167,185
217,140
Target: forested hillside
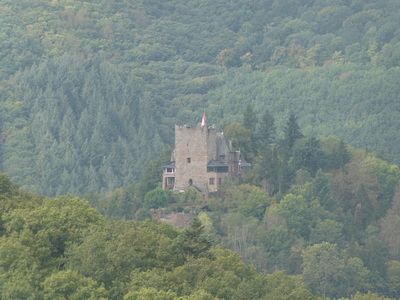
313,219
314,208
308,90
326,236
61,248
90,90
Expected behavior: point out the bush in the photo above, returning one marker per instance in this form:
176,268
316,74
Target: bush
157,198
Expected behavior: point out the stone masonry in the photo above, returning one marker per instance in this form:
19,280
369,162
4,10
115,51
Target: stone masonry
193,150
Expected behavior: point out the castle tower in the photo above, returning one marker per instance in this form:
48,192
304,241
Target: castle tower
194,148
202,159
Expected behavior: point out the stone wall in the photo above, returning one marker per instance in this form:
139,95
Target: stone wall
191,156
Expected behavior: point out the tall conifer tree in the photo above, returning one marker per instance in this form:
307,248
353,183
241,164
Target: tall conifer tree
291,131
267,130
250,123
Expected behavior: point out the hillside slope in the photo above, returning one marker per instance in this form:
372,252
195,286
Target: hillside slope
90,91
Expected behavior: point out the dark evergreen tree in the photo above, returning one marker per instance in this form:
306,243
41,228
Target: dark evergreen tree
308,155
250,123
272,169
343,156
249,118
291,132
266,131
193,241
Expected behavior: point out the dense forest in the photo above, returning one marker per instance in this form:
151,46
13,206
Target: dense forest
90,91
313,219
323,225
307,90
315,208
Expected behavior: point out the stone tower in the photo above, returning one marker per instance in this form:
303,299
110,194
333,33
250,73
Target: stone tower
202,159
194,148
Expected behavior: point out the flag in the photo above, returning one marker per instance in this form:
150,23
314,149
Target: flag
203,119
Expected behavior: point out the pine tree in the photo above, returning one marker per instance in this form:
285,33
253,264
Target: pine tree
291,132
193,241
249,118
250,122
267,130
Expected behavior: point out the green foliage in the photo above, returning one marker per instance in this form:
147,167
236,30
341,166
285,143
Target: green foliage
154,279
387,175
282,287
188,196
120,204
296,212
369,296
250,200
240,137
322,190
393,278
152,173
308,155
277,240
91,91
20,268
193,241
61,248
110,254
219,276
70,285
157,198
89,94
256,203
266,131
327,231
7,188
249,119
11,197
250,123
328,272
291,131
321,262
389,223
145,293
59,221
336,153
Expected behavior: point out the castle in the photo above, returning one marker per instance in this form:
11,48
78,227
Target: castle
202,159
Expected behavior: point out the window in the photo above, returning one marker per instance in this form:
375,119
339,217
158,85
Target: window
171,180
170,170
219,181
223,169
219,169
212,181
188,160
